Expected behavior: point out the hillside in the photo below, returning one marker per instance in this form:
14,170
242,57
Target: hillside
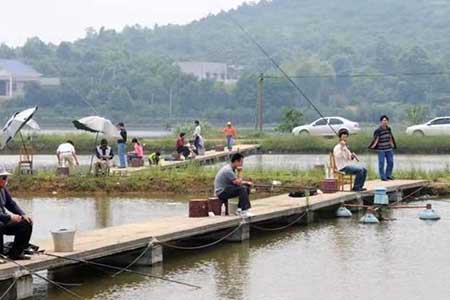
129,75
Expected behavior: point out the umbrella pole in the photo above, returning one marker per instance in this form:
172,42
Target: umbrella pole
92,155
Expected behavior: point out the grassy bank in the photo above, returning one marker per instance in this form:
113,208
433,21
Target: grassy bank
194,180
188,182
270,143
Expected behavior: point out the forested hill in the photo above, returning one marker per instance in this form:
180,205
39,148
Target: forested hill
129,75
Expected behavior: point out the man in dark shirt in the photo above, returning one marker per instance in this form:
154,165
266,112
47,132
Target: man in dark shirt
121,145
384,143
13,221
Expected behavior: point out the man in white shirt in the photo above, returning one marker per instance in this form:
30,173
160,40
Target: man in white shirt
345,162
66,155
197,135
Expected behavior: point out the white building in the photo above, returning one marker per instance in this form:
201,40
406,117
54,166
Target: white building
210,71
15,74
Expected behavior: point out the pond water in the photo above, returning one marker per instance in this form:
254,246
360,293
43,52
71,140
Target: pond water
278,161
331,259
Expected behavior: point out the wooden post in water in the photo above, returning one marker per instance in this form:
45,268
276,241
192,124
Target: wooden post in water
259,103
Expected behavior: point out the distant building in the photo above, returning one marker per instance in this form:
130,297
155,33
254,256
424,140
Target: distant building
211,71
15,74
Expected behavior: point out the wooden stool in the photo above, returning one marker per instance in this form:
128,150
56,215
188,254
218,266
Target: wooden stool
198,208
215,206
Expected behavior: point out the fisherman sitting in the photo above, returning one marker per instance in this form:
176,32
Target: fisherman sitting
181,147
104,155
228,185
154,158
345,162
13,221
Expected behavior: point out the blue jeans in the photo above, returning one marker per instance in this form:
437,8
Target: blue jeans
229,142
360,175
121,152
389,157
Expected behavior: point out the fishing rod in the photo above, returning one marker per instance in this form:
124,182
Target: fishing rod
58,285
121,269
285,75
362,75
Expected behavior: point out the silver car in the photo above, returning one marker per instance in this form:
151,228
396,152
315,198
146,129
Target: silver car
436,126
322,127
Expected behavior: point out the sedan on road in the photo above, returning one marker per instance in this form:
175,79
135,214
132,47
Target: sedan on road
436,126
323,127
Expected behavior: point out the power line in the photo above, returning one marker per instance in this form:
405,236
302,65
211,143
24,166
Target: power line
362,75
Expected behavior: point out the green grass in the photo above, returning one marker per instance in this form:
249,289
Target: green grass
270,143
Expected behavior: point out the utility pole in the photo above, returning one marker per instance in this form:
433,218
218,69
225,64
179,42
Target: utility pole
170,102
259,103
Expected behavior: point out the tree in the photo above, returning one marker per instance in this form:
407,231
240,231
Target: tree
416,114
291,119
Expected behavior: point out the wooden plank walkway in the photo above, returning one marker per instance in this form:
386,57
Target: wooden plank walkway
118,239
211,156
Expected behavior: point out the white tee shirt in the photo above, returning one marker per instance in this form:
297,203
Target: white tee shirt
65,148
342,156
197,131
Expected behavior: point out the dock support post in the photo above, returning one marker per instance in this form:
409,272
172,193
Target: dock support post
396,196
154,255
309,218
242,234
22,289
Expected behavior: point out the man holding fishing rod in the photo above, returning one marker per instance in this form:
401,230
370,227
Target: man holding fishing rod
345,162
13,221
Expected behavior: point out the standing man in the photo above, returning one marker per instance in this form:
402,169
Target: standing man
122,145
384,143
228,185
66,154
230,134
345,162
197,133
13,221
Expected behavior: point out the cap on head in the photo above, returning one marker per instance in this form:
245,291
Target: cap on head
228,123
3,171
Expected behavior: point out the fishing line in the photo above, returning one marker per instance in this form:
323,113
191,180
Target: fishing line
362,75
43,278
285,75
122,269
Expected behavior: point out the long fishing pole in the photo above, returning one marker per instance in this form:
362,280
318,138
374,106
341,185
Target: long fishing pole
58,285
122,270
285,75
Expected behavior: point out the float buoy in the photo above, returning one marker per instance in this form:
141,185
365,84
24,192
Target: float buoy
343,212
429,214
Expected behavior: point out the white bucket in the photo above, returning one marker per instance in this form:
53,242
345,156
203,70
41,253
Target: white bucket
232,206
63,240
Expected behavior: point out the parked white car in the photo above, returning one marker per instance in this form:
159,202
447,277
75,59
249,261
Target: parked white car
322,127
437,126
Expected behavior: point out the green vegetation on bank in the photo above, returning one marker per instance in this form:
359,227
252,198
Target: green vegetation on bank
270,143
130,75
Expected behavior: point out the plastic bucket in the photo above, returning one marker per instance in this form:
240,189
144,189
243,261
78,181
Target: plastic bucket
232,206
63,240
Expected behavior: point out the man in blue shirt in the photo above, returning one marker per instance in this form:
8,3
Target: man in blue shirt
13,221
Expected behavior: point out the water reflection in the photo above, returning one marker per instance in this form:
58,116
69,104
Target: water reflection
90,213
332,259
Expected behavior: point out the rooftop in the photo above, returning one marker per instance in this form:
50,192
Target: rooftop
17,68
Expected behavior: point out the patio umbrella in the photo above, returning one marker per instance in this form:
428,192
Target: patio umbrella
97,125
15,124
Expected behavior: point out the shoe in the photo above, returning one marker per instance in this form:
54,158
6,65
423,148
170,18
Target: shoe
390,178
238,212
246,214
384,179
20,257
360,190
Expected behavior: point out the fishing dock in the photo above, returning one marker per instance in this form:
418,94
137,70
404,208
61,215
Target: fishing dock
179,230
210,157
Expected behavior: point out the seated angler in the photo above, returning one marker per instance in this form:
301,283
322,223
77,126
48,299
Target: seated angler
13,221
345,162
228,185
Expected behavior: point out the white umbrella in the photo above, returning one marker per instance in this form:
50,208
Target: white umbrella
98,125
15,124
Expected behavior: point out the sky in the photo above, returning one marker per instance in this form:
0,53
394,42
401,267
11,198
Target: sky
66,20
